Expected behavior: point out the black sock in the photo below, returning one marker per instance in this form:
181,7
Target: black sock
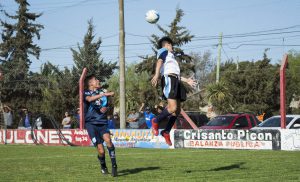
112,155
170,124
102,161
165,113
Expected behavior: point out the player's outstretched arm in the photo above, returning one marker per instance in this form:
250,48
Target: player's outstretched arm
192,82
109,94
94,97
157,70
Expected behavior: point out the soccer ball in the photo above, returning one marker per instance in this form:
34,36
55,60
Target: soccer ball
152,16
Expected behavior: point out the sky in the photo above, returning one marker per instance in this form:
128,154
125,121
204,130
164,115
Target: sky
275,21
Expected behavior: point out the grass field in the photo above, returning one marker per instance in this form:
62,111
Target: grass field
40,163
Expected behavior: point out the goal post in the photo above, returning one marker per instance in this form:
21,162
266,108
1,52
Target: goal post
81,104
282,91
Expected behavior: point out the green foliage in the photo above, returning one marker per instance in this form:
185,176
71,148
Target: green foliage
293,75
219,96
88,56
254,87
59,94
19,86
204,67
63,84
138,89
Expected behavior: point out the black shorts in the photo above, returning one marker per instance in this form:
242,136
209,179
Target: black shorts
96,132
172,88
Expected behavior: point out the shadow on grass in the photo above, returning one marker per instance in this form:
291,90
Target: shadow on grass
224,168
136,170
230,167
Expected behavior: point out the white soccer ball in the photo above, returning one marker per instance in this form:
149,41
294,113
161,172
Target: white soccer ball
152,16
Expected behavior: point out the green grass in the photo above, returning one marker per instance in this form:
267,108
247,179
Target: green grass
41,163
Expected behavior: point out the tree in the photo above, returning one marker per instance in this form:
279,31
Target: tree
293,80
219,96
88,56
254,87
204,66
17,44
138,89
58,91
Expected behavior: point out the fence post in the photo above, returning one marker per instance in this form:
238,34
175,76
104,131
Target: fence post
282,91
81,104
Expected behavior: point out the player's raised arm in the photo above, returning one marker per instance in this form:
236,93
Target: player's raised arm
157,70
189,81
94,97
109,94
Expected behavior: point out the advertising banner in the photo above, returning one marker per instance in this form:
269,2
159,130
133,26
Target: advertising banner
131,138
45,136
137,139
228,139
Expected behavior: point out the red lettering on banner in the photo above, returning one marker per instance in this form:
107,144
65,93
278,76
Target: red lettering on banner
257,144
19,136
243,144
205,143
48,137
224,144
28,138
53,137
42,136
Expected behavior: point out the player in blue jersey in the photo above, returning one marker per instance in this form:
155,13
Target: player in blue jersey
173,90
96,106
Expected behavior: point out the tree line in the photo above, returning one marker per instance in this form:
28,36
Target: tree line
249,86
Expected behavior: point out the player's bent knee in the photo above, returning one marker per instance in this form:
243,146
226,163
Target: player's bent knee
109,143
172,109
101,150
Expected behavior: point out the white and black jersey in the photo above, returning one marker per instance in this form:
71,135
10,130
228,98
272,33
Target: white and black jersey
170,71
170,65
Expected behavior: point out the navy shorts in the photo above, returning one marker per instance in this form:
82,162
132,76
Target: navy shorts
96,132
172,88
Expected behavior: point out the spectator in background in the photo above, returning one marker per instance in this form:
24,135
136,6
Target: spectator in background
116,119
111,122
25,121
8,118
148,115
77,116
66,122
132,119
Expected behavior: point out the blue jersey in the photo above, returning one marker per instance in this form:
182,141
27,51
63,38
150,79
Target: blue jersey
92,111
148,117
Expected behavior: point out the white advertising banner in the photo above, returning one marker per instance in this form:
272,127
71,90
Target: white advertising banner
228,139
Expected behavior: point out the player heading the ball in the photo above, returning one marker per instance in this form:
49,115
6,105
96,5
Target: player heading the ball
172,87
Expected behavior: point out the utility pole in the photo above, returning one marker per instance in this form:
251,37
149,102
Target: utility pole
122,65
219,58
